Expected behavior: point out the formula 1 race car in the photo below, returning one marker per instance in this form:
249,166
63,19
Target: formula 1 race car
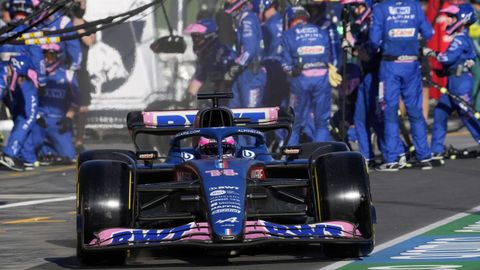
218,187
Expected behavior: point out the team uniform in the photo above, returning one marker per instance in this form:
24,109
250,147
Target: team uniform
249,86
54,136
368,113
20,90
395,28
21,99
305,55
460,83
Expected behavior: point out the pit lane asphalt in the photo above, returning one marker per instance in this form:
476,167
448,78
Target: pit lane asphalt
42,235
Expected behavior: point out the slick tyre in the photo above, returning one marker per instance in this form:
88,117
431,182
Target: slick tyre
106,154
344,189
314,150
103,202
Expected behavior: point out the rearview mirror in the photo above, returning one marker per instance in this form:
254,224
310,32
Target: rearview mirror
169,44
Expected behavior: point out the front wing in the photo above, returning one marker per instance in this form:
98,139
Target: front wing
256,233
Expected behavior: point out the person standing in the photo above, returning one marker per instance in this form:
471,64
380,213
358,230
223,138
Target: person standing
396,25
306,57
248,77
83,76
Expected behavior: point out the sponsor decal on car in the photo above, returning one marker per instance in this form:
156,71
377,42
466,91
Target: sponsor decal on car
248,154
228,220
224,172
218,193
200,232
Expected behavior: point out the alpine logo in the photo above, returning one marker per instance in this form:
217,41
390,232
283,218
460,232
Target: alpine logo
228,220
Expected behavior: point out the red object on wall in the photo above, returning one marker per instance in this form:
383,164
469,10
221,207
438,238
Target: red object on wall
439,42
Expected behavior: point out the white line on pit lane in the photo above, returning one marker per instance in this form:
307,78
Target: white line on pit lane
35,196
407,236
12,205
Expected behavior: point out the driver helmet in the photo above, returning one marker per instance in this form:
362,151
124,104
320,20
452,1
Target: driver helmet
207,148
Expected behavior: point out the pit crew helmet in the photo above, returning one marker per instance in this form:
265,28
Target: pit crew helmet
204,33
293,13
53,56
352,5
464,13
208,149
233,6
260,6
25,7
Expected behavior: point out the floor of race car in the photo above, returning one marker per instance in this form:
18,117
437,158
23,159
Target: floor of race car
37,221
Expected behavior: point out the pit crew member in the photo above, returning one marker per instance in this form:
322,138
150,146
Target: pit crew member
306,57
395,28
456,62
248,75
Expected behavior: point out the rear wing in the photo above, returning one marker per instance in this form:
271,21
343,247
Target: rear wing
163,123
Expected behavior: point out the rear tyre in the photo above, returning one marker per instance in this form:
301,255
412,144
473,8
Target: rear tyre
103,190
344,188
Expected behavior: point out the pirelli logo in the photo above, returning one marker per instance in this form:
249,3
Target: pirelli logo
401,32
311,50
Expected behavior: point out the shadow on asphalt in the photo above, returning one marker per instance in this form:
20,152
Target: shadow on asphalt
166,258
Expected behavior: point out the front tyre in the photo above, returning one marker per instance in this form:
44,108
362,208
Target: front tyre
344,190
103,202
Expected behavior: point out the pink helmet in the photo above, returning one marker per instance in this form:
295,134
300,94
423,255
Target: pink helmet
208,147
346,2
53,56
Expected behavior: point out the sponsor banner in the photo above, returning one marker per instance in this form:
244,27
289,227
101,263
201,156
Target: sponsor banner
122,68
455,245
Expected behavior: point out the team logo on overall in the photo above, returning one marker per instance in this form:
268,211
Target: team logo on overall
402,32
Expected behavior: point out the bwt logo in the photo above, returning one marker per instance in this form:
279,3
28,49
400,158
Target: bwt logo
188,119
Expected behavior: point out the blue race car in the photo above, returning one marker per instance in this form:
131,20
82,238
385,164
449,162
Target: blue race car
217,186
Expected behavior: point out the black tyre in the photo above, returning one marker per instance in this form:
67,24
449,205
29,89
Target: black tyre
344,189
106,154
316,149
103,190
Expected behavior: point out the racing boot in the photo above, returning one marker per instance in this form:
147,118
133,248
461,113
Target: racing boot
388,167
12,163
438,160
425,165
31,166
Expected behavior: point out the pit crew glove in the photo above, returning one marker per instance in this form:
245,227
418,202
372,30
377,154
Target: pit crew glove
297,70
334,78
232,73
41,122
42,90
469,63
429,52
64,125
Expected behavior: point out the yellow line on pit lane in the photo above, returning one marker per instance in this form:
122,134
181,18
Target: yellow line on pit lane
61,169
33,220
33,173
